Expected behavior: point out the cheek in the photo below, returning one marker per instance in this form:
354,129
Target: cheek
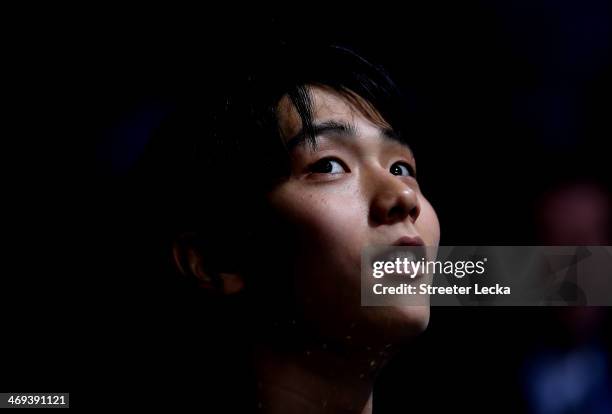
329,230
427,223
323,218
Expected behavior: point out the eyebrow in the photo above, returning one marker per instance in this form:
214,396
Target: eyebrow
339,128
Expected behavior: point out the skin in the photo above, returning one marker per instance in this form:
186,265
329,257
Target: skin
351,191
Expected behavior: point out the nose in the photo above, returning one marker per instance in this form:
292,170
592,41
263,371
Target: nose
393,201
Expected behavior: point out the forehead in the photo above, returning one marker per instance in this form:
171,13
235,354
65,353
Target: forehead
328,104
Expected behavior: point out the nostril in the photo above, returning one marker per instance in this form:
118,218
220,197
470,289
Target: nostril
396,212
400,212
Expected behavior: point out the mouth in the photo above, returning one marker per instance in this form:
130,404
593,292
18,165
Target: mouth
394,253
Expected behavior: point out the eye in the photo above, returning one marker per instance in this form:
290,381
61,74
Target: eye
402,169
328,166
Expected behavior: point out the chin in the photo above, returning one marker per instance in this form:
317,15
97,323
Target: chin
396,325
408,321
415,318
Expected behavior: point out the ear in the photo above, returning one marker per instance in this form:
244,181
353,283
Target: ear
190,261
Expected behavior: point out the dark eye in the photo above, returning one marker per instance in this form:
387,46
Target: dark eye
328,166
402,169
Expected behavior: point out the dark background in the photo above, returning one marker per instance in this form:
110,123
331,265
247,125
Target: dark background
515,97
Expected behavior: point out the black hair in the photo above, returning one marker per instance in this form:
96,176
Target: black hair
211,163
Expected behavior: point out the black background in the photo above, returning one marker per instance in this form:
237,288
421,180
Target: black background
515,96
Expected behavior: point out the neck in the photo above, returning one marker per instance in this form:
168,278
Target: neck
317,378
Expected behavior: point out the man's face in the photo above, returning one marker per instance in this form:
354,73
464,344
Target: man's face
357,188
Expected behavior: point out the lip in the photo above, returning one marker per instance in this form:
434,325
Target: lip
391,252
409,241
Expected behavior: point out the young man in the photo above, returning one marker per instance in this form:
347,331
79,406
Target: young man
304,164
